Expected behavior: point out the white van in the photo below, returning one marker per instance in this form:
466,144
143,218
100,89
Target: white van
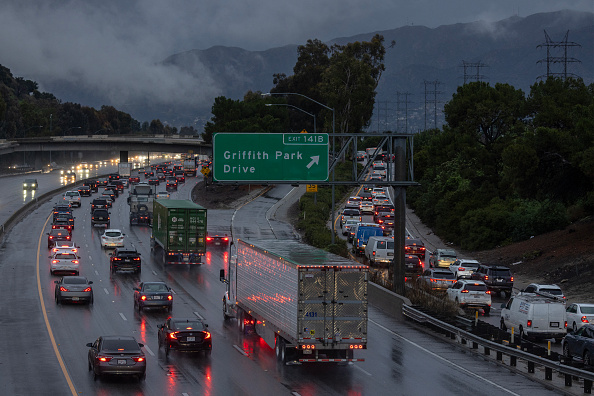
379,249
534,316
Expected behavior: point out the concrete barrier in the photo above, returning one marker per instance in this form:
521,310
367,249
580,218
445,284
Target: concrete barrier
386,300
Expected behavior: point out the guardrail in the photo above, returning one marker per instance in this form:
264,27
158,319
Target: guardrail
464,337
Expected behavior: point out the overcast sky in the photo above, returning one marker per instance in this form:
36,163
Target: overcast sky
113,45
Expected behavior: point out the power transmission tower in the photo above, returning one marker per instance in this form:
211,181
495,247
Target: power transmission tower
473,66
551,59
433,92
399,109
385,114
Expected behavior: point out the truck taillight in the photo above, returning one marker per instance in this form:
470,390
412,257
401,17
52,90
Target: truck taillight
565,324
356,346
308,346
529,323
512,278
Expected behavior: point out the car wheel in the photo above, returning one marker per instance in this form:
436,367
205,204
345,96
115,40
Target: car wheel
566,351
587,358
170,308
167,350
208,352
89,365
92,299
142,377
159,341
139,270
58,300
139,308
508,293
112,269
502,325
487,311
574,327
522,334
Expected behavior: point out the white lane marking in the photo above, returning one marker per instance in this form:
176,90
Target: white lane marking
199,316
149,350
123,317
154,273
359,368
173,291
240,350
105,290
444,359
185,394
296,394
96,272
91,258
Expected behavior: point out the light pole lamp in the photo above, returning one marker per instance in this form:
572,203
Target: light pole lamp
297,108
333,142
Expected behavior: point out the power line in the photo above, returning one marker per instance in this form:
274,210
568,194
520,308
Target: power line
435,93
556,47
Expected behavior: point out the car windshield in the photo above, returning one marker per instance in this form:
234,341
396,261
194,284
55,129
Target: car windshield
152,287
120,345
553,291
74,280
187,325
444,275
113,233
65,256
475,287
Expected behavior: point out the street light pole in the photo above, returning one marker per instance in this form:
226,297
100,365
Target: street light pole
297,108
333,144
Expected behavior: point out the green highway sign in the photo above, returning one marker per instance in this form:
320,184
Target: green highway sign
270,157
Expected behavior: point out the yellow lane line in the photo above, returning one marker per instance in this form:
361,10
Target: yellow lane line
47,325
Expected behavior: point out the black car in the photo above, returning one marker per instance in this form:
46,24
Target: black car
415,246
118,355
217,239
92,184
113,176
497,278
171,185
102,182
153,181
114,188
153,294
62,223
124,258
73,289
185,334
57,235
99,203
580,344
180,176
100,217
413,263
85,191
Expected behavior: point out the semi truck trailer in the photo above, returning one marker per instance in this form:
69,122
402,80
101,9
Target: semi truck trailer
305,303
179,231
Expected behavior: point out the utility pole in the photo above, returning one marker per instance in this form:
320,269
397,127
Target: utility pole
433,92
551,60
468,66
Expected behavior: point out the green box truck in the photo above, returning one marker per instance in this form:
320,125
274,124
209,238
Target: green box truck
179,231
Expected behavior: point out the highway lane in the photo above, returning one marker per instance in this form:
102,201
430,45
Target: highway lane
399,359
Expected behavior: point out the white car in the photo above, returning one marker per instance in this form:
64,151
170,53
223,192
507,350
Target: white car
72,197
381,199
470,293
65,246
112,238
378,190
64,261
464,268
162,195
366,206
547,290
579,314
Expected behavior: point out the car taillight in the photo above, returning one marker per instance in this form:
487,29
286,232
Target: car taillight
463,291
170,297
206,335
173,336
117,259
136,259
138,358
104,358
488,292
461,269
55,261
585,319
88,289
529,323
62,288
51,237
373,253
208,239
143,298
565,324
486,277
225,239
512,279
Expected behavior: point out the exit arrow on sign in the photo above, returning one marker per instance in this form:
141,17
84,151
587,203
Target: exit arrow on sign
270,157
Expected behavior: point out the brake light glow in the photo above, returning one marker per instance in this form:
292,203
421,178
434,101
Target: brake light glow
356,346
463,291
104,358
461,269
565,324
55,261
488,292
486,277
207,335
512,279
88,289
173,336
529,323
62,288
170,297
585,319
143,298
138,359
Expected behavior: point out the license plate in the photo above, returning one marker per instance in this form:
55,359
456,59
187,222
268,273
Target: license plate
307,352
390,254
190,339
186,258
156,297
499,280
476,296
554,324
74,298
121,361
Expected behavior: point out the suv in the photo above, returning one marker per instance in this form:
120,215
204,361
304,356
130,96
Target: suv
100,217
124,258
72,197
60,210
30,184
416,247
463,268
497,278
57,235
92,184
99,203
470,293
85,191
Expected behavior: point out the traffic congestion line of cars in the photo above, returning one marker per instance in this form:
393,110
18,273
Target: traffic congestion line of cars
117,354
